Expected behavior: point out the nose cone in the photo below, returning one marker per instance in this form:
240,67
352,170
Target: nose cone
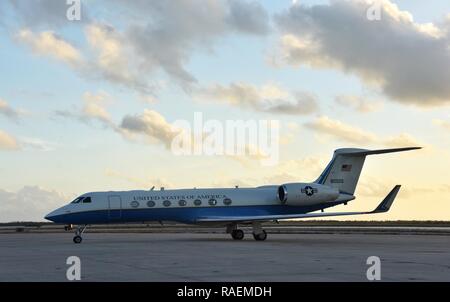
56,215
51,216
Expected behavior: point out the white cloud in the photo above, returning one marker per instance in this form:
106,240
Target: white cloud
8,111
158,36
408,61
341,131
43,14
403,140
114,59
47,43
8,142
94,107
142,183
152,125
37,144
167,33
358,103
444,124
267,98
31,203
354,135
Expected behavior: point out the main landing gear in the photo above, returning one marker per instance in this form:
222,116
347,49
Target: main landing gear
80,230
237,234
258,233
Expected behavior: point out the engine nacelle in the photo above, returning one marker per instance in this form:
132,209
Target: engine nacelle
301,194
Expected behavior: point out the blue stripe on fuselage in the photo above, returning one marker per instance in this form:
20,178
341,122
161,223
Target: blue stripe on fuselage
184,215
324,175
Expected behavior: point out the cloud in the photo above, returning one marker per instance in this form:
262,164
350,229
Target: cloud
341,131
8,111
354,135
358,103
408,61
31,203
37,144
8,142
152,125
41,13
289,133
93,109
141,183
402,140
296,169
158,37
114,60
48,43
249,17
177,29
267,98
252,155
442,123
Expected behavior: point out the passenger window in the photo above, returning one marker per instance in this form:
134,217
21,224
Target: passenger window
166,203
212,202
227,201
182,202
87,200
150,204
197,202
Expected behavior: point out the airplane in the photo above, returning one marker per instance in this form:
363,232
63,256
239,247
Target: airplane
229,207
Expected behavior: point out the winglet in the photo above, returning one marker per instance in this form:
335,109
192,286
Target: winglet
385,205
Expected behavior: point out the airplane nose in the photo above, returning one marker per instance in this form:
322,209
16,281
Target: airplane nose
50,216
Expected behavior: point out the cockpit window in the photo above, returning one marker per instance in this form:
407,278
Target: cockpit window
77,200
87,200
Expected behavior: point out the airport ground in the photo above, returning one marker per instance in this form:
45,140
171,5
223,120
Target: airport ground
289,254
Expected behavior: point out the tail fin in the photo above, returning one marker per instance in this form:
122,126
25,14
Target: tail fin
345,167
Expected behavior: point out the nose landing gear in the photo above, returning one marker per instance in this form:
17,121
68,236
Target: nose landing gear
80,230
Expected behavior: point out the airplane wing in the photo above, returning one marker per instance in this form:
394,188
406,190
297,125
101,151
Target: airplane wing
384,206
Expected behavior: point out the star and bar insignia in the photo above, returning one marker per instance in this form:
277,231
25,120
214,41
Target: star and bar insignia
308,190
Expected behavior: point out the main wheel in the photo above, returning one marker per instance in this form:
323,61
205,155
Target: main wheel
77,239
261,236
237,234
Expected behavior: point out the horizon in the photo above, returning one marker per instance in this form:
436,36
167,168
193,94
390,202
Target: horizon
96,104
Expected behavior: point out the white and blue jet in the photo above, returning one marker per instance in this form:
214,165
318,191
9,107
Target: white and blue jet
229,207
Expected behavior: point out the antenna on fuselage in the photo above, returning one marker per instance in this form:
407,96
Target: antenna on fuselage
152,188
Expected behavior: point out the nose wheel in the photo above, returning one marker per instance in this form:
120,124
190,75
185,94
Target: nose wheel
80,230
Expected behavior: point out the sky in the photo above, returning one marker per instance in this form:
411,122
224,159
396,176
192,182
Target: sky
93,104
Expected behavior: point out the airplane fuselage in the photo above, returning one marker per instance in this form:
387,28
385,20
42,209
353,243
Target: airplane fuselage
187,205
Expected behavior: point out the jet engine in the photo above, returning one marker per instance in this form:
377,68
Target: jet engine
302,194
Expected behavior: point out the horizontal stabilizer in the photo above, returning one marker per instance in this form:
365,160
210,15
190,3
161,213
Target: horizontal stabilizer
371,152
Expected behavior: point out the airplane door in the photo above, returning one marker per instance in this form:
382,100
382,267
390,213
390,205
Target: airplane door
115,207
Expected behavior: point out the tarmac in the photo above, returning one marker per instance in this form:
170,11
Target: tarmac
216,257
